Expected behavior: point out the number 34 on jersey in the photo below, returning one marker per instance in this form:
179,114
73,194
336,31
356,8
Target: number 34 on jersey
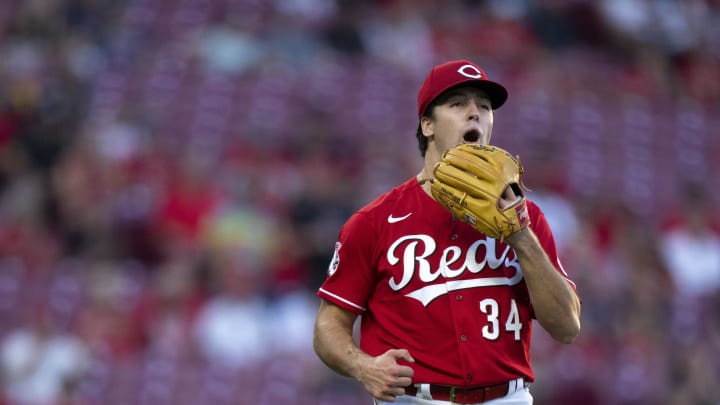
494,325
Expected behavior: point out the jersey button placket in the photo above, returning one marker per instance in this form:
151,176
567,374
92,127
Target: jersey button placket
454,230
463,338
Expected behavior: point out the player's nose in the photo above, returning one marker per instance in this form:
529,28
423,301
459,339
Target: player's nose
473,112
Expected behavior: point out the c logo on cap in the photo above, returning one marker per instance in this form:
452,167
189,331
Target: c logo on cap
476,75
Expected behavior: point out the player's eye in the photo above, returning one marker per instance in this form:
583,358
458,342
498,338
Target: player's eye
482,103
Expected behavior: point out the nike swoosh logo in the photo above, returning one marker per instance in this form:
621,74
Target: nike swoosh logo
392,219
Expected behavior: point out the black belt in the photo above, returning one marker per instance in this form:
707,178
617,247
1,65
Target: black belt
458,395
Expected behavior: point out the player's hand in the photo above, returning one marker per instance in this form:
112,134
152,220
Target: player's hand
384,378
482,186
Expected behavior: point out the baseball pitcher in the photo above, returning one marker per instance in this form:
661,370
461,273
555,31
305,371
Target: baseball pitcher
447,270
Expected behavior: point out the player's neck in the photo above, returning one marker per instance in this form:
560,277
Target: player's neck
426,174
424,179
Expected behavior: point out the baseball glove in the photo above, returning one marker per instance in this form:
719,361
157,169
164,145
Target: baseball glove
481,185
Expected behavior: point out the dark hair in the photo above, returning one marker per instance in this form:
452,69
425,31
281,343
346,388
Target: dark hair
422,139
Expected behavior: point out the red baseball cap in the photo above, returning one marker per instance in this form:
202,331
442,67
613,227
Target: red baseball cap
452,74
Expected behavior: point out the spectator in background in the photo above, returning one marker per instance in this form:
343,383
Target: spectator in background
695,373
231,328
227,46
167,311
690,248
188,201
106,321
399,34
41,365
550,192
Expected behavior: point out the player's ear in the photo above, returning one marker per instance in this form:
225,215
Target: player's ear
427,126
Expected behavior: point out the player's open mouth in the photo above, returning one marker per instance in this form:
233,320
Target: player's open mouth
471,136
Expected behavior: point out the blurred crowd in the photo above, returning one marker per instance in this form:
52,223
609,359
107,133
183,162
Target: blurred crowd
173,175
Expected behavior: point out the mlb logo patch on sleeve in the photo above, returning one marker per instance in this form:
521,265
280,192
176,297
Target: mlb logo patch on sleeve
335,259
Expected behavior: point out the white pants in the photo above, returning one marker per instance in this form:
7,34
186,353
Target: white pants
520,397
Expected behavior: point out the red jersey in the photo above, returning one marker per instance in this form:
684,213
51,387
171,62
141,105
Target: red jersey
431,284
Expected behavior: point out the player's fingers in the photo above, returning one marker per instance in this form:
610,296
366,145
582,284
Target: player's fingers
387,398
390,395
401,354
383,396
403,381
394,391
509,197
405,371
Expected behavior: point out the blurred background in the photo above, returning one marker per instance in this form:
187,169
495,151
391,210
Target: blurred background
173,175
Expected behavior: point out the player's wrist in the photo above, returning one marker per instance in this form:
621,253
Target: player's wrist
521,237
361,365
